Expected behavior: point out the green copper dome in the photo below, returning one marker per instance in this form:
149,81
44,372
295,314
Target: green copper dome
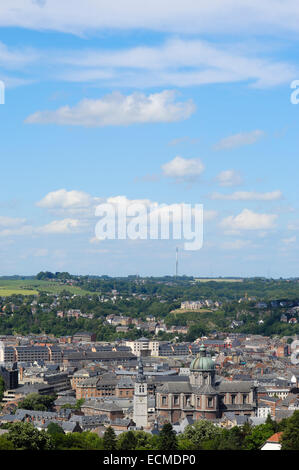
202,362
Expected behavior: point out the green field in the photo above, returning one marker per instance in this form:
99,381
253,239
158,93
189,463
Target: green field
33,287
6,292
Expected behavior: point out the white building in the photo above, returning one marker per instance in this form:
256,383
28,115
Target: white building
273,443
263,411
144,347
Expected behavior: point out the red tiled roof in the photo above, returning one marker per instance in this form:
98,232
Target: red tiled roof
275,437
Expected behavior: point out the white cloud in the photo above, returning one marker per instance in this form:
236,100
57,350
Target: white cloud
176,62
16,58
118,110
173,63
65,199
61,226
215,16
183,169
124,201
248,196
229,178
239,140
249,220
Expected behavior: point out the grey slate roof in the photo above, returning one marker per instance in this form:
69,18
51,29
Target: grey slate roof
239,419
65,400
176,387
20,413
234,386
206,390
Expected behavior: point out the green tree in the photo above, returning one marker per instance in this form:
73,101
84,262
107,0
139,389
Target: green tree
185,444
110,441
127,441
145,441
54,428
200,431
6,443
37,402
258,436
290,436
24,436
167,438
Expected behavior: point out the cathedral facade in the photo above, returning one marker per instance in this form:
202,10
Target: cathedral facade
203,396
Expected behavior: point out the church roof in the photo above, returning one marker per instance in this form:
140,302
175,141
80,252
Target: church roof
206,389
202,361
234,386
176,387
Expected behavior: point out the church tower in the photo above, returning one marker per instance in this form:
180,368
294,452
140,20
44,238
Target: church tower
202,369
140,403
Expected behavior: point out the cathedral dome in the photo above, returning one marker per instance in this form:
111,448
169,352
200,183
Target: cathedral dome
202,362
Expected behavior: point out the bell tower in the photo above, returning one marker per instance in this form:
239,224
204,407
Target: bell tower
140,402
202,369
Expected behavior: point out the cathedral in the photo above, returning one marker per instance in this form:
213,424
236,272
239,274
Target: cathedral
204,395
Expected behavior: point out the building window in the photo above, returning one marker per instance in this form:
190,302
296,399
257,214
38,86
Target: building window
244,399
210,402
176,400
164,400
233,398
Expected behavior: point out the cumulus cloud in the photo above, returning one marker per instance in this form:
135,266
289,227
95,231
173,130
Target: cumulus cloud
10,226
61,226
249,220
229,178
183,169
239,140
65,199
248,196
116,109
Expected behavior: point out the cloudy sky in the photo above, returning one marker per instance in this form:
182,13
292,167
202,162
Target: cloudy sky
161,103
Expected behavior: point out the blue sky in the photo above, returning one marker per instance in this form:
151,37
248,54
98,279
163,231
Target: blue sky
185,102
